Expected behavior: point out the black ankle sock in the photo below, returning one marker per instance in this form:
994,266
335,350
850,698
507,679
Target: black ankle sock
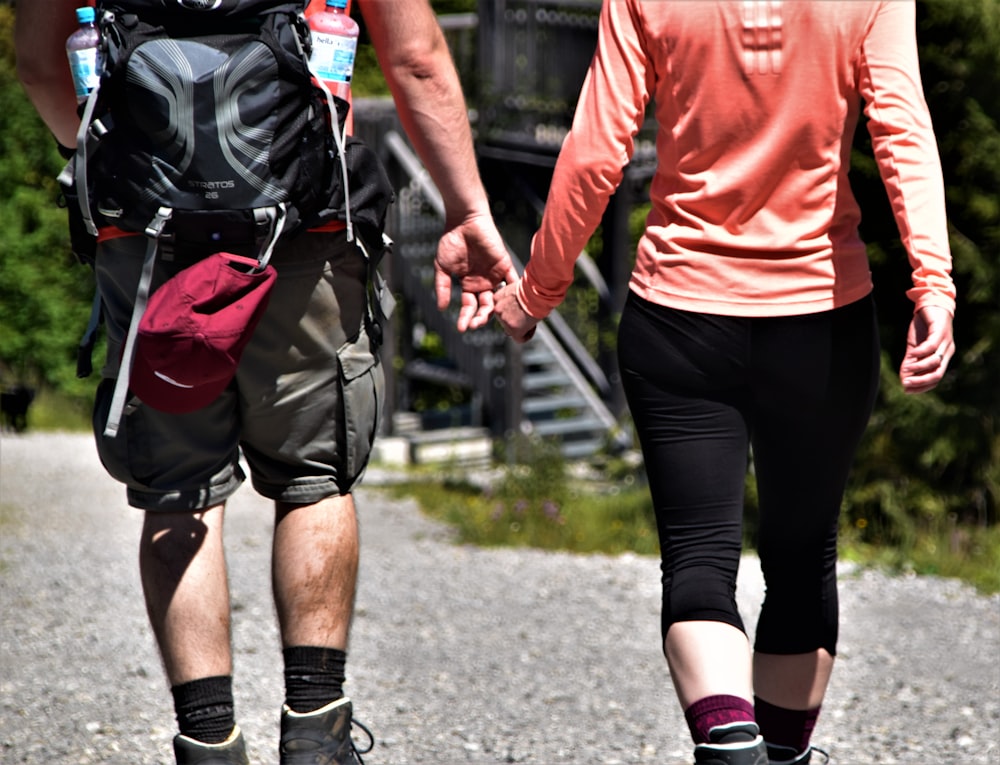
205,709
791,728
313,677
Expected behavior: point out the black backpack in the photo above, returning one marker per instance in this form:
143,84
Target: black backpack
207,125
208,132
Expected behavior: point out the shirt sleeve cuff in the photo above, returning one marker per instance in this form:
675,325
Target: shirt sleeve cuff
529,300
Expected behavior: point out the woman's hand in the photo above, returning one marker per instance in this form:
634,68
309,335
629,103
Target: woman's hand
930,344
516,322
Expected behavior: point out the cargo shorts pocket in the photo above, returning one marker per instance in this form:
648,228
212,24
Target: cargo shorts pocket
362,391
126,458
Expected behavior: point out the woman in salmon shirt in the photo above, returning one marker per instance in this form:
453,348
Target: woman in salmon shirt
750,324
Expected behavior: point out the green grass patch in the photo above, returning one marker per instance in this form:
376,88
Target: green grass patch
577,520
969,553
534,503
52,411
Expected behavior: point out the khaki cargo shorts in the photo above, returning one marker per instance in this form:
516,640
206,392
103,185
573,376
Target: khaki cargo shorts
303,408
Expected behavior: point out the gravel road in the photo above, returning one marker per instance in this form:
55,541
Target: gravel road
459,655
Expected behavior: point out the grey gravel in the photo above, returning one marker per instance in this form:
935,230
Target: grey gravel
458,655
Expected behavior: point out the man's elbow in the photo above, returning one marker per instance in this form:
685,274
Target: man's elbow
34,73
421,58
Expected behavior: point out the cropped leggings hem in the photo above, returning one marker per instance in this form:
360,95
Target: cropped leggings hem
712,395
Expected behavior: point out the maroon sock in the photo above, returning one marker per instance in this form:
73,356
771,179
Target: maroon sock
785,727
712,711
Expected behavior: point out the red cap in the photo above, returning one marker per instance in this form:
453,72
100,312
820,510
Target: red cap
194,330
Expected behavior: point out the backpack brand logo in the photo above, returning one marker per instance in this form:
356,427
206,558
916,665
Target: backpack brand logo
211,189
212,185
199,5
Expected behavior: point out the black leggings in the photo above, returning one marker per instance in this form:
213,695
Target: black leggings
703,390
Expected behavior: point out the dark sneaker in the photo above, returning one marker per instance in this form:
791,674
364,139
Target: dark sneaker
322,737
736,744
232,751
785,755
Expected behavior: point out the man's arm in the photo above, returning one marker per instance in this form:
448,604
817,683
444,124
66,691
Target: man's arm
417,65
40,32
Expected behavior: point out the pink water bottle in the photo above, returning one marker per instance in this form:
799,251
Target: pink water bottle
83,50
335,41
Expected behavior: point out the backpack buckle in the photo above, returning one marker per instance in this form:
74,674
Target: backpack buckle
159,222
156,230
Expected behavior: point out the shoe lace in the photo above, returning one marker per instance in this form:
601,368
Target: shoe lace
815,750
371,740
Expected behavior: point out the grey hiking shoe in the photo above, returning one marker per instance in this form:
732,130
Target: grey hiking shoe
232,751
735,744
785,755
322,737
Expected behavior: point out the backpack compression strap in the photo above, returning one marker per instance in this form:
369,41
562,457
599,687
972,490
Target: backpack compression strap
141,299
75,172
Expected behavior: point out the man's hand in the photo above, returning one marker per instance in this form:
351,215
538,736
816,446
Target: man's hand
472,252
930,344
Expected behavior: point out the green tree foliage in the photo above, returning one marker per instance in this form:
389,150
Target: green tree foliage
932,459
45,294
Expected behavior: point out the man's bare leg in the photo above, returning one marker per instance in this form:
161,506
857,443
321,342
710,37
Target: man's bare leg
183,569
315,571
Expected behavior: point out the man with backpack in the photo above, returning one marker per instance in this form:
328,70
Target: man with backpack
301,405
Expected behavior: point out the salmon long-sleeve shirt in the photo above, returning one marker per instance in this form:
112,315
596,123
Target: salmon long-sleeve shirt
756,106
